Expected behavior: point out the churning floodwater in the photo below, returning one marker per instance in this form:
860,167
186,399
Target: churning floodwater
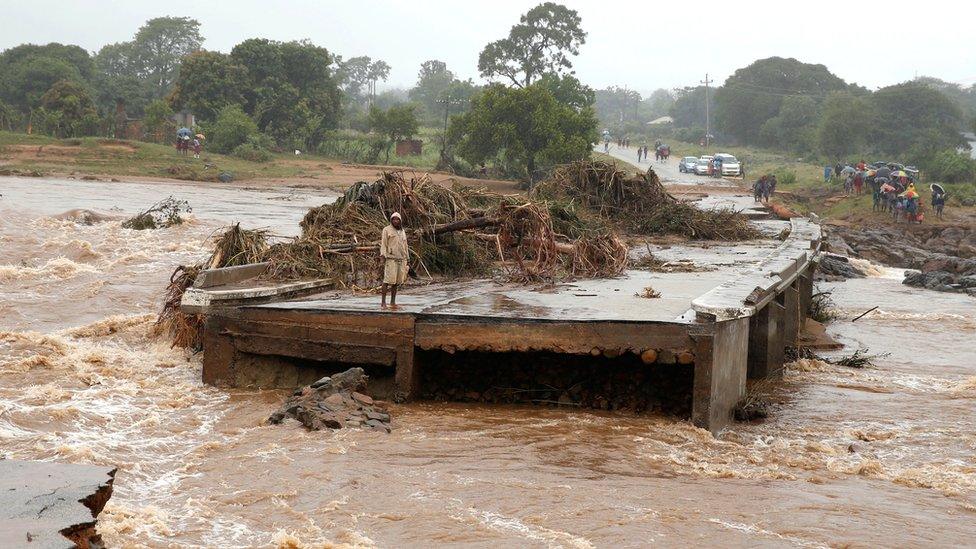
876,456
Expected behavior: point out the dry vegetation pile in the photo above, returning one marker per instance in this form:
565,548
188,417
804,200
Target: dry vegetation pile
567,228
638,204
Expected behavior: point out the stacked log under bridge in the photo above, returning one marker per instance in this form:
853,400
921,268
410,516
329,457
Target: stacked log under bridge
480,341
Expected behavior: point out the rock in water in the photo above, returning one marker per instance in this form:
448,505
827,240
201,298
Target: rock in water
335,402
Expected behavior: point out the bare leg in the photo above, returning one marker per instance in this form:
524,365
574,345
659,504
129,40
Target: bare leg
393,291
383,293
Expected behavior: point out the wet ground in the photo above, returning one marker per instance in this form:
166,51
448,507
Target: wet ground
877,456
667,170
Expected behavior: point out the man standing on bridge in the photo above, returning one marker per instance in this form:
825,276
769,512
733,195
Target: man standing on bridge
395,252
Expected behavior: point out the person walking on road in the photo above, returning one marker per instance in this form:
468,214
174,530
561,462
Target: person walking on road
394,252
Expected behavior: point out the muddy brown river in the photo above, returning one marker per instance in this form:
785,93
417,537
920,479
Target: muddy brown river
878,456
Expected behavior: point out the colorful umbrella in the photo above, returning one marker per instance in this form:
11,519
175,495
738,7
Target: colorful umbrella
899,173
936,188
871,173
886,188
184,132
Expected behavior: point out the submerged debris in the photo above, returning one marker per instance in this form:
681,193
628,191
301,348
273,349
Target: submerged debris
648,293
163,214
859,359
335,402
236,246
822,308
184,330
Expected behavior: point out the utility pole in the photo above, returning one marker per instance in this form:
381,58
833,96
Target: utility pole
708,126
447,101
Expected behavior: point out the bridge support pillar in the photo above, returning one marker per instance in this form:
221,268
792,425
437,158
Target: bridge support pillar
766,342
791,314
721,364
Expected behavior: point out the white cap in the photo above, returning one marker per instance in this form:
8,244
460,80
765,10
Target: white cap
396,215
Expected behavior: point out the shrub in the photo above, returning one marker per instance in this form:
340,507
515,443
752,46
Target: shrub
352,147
785,176
952,167
232,128
250,152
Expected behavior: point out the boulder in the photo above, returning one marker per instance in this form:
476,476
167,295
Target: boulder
335,402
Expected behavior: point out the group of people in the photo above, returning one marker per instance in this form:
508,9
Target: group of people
642,152
764,188
186,141
661,152
892,189
184,145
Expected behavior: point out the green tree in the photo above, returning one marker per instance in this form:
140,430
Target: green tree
289,89
159,47
28,71
158,121
657,104
7,116
688,109
754,94
794,127
525,128
433,82
396,123
77,111
232,128
542,42
615,105
844,126
118,77
913,115
208,82
359,75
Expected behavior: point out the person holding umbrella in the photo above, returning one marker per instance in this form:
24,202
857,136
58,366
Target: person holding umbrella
938,199
198,144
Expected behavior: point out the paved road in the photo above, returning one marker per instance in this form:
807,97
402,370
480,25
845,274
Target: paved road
666,171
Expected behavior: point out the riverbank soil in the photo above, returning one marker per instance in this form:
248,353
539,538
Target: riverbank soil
116,160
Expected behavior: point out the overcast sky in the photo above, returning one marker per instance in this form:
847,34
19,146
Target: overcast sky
637,44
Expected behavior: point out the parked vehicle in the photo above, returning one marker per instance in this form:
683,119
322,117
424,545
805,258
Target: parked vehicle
704,165
730,164
687,164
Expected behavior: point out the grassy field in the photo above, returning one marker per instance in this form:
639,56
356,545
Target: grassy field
38,154
108,157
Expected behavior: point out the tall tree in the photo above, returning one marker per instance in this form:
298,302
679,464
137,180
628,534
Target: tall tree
289,89
208,82
433,81
527,129
160,44
688,110
542,42
118,76
754,94
914,115
358,76
844,126
28,71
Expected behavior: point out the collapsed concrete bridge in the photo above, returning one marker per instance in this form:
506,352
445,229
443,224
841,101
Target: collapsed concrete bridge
709,331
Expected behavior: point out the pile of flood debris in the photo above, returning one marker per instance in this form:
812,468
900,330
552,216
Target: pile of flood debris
336,402
569,226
